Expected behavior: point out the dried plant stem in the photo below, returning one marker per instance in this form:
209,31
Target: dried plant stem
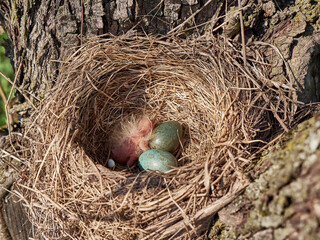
244,54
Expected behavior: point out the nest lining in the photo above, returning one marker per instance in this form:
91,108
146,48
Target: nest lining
227,112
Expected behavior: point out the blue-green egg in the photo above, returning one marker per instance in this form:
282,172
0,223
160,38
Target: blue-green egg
166,136
157,160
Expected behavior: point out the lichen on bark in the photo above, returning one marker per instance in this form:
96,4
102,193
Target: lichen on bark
284,199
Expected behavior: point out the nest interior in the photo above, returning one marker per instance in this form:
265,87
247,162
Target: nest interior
228,112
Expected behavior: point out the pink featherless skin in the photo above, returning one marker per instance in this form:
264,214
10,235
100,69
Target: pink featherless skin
128,150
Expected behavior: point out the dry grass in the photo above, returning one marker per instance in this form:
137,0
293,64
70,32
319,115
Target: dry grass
228,112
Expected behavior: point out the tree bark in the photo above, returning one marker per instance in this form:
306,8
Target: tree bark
43,32
15,217
283,202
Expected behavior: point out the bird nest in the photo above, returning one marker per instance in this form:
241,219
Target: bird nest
228,112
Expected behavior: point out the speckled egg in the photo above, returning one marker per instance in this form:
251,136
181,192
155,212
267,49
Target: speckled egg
166,136
157,159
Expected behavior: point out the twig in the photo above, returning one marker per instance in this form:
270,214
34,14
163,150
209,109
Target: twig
283,59
5,100
3,94
12,156
242,36
9,117
149,13
14,86
11,165
187,20
81,33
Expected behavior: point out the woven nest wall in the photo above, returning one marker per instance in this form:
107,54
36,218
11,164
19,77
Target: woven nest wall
228,112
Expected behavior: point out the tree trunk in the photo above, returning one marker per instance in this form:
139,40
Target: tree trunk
283,202
43,32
